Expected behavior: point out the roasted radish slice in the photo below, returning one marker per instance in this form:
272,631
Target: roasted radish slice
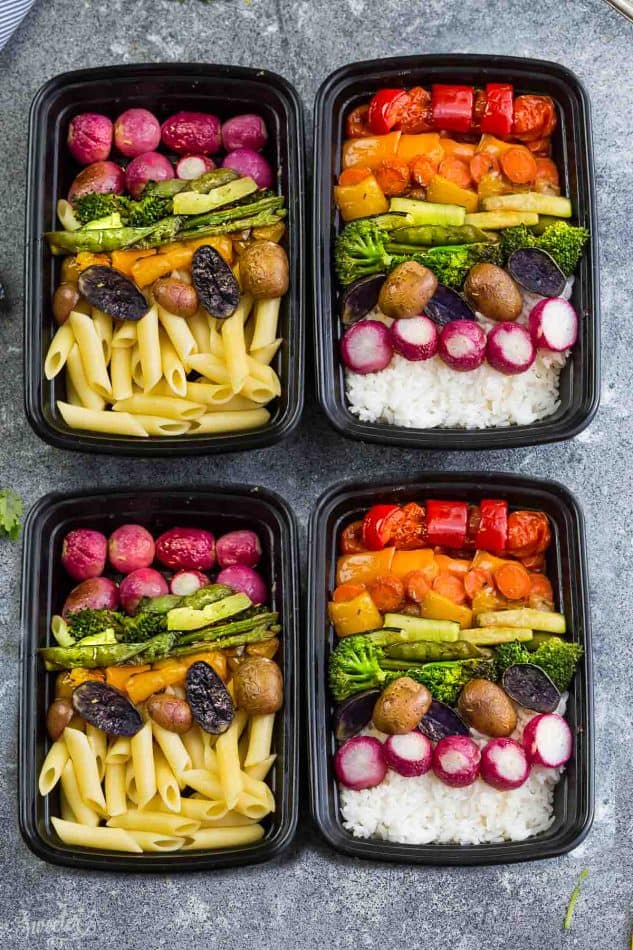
456,761
510,349
463,345
547,740
366,347
504,764
360,763
554,324
409,754
415,338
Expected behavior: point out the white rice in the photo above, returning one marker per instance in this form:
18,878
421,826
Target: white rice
428,394
423,810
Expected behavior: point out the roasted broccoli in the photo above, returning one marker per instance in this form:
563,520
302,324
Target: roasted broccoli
88,623
354,666
451,264
134,214
146,211
562,240
360,250
446,680
558,658
142,627
95,205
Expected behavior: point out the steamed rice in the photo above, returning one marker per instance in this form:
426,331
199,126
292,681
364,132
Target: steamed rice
428,394
423,810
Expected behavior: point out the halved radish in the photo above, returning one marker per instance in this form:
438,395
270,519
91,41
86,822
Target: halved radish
504,764
463,345
456,761
554,324
510,349
415,338
360,763
187,582
547,740
409,754
366,347
193,166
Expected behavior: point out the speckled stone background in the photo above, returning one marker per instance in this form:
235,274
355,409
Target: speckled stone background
312,898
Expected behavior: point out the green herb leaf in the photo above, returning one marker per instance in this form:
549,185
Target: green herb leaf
10,514
575,894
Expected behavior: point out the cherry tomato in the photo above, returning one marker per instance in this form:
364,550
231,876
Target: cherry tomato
534,118
357,123
529,533
385,109
352,538
416,113
378,525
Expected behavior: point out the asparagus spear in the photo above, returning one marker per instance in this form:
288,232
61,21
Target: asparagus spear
195,221
90,657
209,634
258,635
202,185
114,239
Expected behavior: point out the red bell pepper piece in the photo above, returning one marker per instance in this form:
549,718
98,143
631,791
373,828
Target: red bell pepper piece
499,112
447,523
385,109
452,108
492,535
378,524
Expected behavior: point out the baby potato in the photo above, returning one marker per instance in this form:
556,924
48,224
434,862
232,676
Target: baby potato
59,714
170,712
258,686
486,708
407,290
490,290
176,296
264,270
400,706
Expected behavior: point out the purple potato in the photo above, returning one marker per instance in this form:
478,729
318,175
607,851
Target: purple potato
106,708
537,271
360,297
447,305
353,714
530,686
441,721
210,701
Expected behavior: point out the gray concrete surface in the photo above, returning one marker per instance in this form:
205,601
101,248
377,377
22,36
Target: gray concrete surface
311,898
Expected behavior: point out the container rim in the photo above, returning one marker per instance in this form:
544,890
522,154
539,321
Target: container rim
328,821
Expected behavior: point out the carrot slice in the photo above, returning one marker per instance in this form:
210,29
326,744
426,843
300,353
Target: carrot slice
483,163
387,593
519,165
422,170
393,176
353,176
417,586
449,586
541,592
513,580
546,170
347,592
474,581
455,170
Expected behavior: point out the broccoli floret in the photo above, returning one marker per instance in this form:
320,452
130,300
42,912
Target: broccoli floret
512,239
446,680
87,623
558,658
354,666
148,210
360,251
93,206
565,243
142,627
451,264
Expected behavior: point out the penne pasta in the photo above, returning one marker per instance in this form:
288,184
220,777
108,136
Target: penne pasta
230,421
91,353
72,396
157,821
232,819
235,349
260,737
265,319
229,770
251,807
141,746
203,809
121,373
261,769
210,366
205,782
119,752
76,378
259,790
98,743
174,751
173,370
124,335
264,374
86,771
136,368
82,812
108,839
166,782
64,808
153,841
229,837
149,349
169,407
53,766
158,425
266,354
111,423
199,327
58,351
192,741
104,327
115,790
178,331
130,783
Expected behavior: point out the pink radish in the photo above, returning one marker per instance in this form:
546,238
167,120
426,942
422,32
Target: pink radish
456,761
187,582
547,740
409,754
462,345
510,349
414,338
360,763
366,347
504,764
84,553
144,582
554,324
193,166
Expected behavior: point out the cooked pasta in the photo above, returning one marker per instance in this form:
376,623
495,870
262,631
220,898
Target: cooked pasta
91,353
149,349
265,320
77,381
108,839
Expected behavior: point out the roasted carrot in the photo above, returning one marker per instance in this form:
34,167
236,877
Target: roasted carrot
519,165
353,176
541,594
347,592
387,593
456,170
512,580
393,176
422,170
483,163
546,170
417,586
449,586
474,581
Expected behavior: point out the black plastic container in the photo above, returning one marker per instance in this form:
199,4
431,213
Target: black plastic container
163,88
573,152
574,796
44,587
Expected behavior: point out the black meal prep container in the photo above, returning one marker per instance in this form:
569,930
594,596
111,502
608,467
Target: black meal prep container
567,569
353,85
44,587
163,88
